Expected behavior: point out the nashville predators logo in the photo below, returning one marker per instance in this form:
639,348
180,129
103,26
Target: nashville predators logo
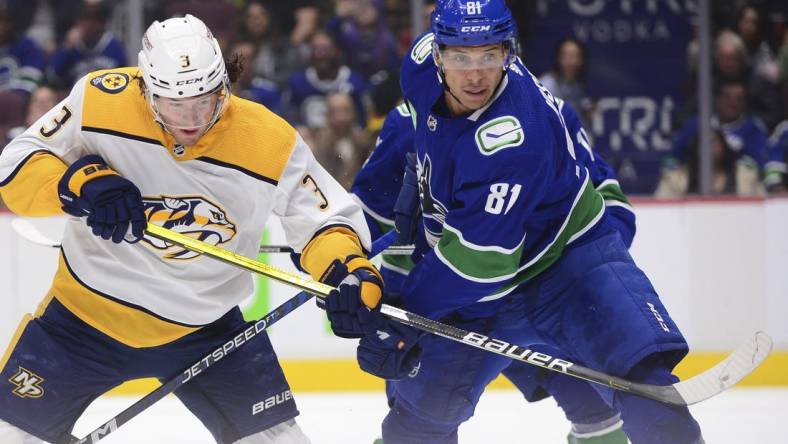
28,384
111,82
193,216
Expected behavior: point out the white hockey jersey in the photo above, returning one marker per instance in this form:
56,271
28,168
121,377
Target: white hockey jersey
221,190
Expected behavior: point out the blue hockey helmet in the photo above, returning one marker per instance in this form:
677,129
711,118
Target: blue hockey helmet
474,23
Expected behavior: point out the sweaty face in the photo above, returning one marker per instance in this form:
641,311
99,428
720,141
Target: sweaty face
472,73
189,118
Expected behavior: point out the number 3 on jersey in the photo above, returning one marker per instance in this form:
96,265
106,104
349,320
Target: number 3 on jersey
500,195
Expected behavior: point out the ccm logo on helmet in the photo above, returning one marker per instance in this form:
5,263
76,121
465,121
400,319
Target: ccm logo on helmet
188,82
476,28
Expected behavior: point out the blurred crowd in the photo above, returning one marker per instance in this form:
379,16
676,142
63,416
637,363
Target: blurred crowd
749,124
330,67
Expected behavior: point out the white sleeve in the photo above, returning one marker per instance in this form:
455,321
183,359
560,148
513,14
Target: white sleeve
309,199
59,132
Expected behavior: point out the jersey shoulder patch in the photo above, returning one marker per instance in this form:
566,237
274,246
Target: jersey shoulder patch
422,49
498,134
110,82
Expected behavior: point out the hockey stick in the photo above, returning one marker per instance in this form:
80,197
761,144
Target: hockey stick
240,337
743,361
26,230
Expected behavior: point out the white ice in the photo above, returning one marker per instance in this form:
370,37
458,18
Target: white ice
502,417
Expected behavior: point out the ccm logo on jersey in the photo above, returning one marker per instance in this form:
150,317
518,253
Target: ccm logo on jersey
28,384
540,359
271,402
111,82
658,317
193,216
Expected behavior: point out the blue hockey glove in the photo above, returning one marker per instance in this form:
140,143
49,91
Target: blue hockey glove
389,350
360,287
407,208
112,204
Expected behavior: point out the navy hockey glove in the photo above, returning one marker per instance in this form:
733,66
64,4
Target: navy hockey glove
389,350
112,204
360,287
407,208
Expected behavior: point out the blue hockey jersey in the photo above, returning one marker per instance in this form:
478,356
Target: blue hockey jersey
377,184
503,194
778,148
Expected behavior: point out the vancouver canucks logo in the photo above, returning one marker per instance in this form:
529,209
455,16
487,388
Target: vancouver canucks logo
422,50
434,211
111,82
193,216
500,133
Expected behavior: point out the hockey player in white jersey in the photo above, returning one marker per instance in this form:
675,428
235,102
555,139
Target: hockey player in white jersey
165,143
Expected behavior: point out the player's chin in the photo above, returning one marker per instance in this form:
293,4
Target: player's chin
476,100
188,136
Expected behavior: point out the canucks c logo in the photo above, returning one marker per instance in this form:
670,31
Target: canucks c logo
111,82
28,384
193,216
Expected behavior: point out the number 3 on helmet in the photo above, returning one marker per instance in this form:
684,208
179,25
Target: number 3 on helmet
180,59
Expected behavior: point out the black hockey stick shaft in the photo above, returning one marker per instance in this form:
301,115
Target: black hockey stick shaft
730,371
250,330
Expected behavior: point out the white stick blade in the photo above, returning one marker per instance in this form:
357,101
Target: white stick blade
743,361
25,229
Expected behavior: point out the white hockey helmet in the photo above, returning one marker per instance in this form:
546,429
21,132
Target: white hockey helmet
181,59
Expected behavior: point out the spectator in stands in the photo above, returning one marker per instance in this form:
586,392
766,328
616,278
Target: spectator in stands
728,175
750,29
297,19
41,100
221,16
744,135
342,146
21,60
776,180
47,33
88,46
273,58
732,62
567,78
361,32
324,75
255,88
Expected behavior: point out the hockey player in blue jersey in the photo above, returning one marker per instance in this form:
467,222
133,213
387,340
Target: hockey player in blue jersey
521,245
377,187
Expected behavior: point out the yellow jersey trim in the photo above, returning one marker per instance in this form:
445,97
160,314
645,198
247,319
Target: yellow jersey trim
126,324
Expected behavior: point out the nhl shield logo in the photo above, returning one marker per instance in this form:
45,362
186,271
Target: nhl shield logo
179,150
432,123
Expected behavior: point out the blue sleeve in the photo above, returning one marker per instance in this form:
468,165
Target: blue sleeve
776,168
619,210
682,143
62,60
378,182
117,52
756,143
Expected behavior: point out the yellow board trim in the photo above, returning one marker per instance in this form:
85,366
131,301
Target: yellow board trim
343,375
